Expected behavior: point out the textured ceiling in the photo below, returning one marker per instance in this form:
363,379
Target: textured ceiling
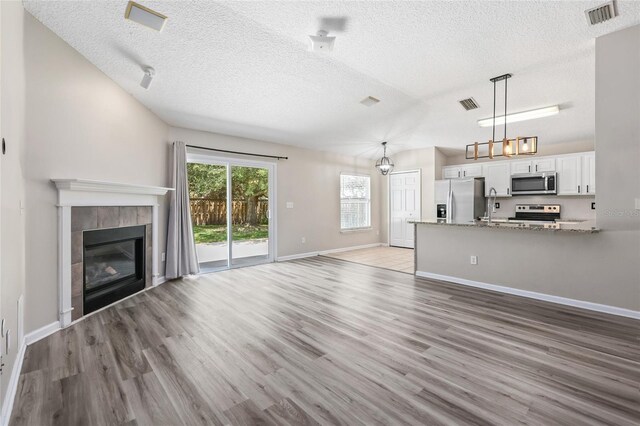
243,68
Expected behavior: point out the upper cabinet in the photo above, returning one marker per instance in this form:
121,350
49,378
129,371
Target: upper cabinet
472,170
589,173
451,172
520,167
575,172
497,175
569,170
460,172
543,164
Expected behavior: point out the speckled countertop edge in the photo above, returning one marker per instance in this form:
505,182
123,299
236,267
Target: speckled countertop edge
583,229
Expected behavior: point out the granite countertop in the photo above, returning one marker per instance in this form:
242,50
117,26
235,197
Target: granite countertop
587,227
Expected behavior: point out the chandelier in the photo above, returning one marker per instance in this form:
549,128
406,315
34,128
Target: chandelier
522,145
384,165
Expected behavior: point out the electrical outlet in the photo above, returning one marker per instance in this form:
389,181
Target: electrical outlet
303,240
164,256
497,205
593,205
377,232
474,260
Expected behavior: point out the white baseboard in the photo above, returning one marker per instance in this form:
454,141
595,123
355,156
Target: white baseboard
296,256
320,253
41,333
534,295
12,387
338,250
159,280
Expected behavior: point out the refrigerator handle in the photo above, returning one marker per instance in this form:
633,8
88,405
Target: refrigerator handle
450,205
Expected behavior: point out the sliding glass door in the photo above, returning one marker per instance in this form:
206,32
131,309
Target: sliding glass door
250,214
231,211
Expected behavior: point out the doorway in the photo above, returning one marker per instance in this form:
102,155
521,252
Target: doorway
404,205
231,211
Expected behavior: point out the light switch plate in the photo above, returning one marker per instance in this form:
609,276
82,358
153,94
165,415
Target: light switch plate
637,203
289,204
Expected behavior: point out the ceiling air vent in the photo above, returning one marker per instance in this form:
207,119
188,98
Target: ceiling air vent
369,101
468,104
602,13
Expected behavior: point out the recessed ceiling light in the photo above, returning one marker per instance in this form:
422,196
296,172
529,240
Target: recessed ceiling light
145,16
520,116
369,101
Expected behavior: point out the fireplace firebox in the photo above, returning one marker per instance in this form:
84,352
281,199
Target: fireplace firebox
114,265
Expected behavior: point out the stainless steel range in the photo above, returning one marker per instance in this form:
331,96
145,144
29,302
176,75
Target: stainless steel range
536,213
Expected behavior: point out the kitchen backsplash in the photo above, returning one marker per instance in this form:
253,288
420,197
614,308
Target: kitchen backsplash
572,207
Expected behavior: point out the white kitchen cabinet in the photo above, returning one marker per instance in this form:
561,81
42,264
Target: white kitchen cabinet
588,184
451,172
498,176
545,164
472,170
520,167
569,170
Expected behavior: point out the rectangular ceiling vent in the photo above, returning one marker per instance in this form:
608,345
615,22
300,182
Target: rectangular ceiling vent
469,104
145,16
602,13
369,101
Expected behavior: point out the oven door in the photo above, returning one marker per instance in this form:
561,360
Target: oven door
541,183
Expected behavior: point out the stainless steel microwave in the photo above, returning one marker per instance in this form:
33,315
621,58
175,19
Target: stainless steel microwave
534,184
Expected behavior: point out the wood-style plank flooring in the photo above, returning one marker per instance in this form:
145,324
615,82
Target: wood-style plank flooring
394,258
323,341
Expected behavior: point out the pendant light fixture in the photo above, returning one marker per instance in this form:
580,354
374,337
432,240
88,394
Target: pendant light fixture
522,145
384,165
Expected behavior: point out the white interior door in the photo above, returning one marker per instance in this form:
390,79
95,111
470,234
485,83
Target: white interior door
404,205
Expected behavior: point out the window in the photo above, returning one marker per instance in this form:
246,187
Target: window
355,202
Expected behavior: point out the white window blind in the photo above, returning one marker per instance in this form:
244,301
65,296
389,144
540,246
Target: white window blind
355,201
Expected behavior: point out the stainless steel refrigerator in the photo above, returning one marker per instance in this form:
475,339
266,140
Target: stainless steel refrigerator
460,200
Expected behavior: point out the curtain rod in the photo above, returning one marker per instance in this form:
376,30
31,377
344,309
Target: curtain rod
238,152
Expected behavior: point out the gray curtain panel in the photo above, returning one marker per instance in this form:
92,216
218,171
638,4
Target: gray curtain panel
181,248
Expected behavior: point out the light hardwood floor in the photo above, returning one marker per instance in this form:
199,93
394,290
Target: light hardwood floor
394,258
320,340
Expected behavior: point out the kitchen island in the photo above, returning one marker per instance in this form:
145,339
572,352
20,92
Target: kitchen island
562,263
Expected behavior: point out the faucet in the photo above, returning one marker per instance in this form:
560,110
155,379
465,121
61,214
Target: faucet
491,206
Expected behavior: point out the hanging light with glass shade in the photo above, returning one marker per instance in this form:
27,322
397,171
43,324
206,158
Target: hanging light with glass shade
384,165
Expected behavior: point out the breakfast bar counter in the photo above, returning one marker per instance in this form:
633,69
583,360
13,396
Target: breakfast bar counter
588,227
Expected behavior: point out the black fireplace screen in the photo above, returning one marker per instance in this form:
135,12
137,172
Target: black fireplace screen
114,265
108,263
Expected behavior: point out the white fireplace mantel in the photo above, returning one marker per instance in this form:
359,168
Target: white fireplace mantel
85,193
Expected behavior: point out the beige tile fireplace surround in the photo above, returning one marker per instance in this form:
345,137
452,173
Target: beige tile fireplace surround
103,217
85,205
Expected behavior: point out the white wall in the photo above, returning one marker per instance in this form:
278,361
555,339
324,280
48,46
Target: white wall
80,124
311,180
12,164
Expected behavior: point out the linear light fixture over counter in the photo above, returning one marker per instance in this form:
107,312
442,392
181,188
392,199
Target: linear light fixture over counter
520,116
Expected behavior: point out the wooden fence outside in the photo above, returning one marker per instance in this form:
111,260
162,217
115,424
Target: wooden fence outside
205,211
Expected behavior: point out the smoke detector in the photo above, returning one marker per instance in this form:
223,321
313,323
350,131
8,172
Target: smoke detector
149,73
321,42
601,13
